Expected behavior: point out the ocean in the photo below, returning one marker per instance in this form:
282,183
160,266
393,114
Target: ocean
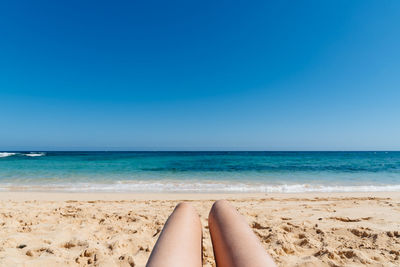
202,172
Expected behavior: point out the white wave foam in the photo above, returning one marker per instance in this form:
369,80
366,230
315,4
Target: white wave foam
33,154
196,187
6,154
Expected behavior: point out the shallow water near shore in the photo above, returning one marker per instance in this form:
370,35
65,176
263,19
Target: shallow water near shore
200,171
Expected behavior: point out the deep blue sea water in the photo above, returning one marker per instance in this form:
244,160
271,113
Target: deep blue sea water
200,171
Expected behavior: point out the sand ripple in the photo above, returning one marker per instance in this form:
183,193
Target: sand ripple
306,231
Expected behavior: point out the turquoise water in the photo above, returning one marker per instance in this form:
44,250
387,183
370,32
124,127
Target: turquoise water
200,171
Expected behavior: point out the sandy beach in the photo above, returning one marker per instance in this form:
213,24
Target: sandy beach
96,229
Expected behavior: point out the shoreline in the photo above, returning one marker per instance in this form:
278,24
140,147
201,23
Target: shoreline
118,196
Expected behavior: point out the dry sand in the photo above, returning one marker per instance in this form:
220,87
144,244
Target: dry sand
60,229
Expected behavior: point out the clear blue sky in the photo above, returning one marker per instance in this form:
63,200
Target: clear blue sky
263,75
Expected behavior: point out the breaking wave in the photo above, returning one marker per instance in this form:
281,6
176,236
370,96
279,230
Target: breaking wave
195,187
30,154
6,154
33,154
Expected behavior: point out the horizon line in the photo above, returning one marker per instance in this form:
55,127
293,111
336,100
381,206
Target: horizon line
142,150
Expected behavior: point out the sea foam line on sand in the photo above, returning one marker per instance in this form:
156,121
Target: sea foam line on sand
194,187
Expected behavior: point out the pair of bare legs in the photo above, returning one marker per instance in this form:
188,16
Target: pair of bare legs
234,243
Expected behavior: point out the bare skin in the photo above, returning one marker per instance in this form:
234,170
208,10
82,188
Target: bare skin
179,244
234,242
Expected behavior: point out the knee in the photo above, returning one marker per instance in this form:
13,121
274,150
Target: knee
217,207
186,208
219,204
189,213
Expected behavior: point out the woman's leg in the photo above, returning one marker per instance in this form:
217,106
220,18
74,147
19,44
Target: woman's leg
179,243
234,242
